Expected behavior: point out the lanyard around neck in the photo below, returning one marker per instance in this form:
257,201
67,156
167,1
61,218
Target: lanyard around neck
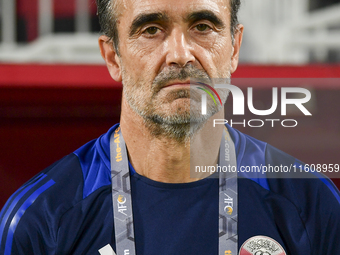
122,202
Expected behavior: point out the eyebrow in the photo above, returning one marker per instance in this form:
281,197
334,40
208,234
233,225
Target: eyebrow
145,18
205,15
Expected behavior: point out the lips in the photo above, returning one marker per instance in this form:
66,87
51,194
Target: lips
178,83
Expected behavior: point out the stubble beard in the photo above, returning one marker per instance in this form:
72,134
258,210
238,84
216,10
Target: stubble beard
179,123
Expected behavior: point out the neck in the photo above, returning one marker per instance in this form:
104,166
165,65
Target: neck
163,159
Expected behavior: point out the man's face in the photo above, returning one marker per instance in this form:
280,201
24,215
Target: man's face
162,44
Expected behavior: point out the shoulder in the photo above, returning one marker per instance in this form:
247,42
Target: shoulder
36,206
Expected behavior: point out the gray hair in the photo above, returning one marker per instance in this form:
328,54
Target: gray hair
234,7
108,16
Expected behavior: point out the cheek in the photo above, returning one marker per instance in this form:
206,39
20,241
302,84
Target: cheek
213,51
141,60
216,60
143,49
137,80
222,53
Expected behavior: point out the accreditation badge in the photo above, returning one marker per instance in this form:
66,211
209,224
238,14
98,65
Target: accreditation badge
261,245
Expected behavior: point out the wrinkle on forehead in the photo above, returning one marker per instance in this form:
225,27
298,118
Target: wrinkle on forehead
138,6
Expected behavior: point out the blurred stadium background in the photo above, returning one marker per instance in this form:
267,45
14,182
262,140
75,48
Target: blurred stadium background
56,94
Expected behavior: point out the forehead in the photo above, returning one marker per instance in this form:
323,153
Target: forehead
132,8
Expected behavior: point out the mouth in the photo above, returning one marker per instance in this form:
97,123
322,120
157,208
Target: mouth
177,83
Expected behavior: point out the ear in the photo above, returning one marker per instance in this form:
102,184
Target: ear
111,58
237,45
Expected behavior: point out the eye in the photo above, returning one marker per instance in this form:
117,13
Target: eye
202,27
151,30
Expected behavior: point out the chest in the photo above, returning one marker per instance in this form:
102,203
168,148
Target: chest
185,221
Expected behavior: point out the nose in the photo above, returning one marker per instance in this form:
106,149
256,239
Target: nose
179,52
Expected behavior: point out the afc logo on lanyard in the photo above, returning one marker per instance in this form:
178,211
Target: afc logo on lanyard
228,208
261,245
122,208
